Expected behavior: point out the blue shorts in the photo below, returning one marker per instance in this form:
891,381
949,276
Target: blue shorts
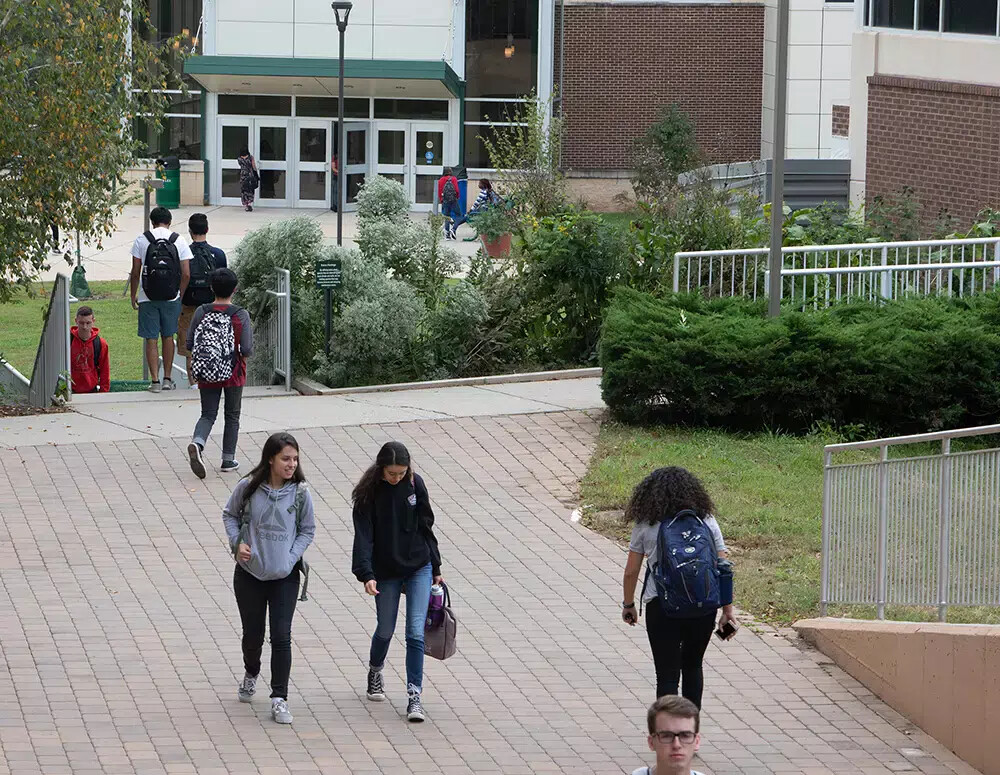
158,318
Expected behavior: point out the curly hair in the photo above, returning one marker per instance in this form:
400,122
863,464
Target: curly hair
665,492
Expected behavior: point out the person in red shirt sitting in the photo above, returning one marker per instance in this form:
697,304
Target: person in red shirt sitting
90,369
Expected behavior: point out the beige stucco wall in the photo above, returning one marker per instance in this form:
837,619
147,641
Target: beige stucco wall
943,677
192,181
598,193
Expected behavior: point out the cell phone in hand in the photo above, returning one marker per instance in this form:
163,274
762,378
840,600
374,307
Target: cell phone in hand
726,631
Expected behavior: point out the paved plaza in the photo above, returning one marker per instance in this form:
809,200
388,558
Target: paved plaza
111,259
119,646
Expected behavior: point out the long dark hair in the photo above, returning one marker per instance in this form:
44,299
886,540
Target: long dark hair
272,448
485,184
665,492
244,151
393,453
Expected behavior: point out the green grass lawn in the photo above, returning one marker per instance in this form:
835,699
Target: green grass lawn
768,492
620,220
21,326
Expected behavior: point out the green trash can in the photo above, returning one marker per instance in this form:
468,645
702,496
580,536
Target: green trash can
168,169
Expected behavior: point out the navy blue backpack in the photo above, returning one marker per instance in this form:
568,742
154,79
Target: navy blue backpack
686,572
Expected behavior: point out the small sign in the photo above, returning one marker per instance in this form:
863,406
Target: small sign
429,156
429,144
328,274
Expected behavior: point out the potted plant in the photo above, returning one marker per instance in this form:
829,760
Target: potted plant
493,224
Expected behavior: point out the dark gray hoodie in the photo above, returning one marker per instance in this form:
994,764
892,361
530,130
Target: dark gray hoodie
275,544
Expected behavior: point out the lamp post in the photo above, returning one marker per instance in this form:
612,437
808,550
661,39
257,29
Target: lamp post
341,134
778,163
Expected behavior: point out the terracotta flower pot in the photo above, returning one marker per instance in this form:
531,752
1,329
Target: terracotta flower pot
497,248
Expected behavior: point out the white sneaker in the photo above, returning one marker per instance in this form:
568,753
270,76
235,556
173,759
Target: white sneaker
279,711
247,689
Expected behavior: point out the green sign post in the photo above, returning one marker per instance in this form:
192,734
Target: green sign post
328,276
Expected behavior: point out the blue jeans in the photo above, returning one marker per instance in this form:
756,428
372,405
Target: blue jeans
418,597
453,211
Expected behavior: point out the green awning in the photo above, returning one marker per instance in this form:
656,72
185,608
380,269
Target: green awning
391,78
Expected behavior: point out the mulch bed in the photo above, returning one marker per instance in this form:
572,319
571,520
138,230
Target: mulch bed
21,410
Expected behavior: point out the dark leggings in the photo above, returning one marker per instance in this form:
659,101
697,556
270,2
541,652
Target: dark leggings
678,647
256,599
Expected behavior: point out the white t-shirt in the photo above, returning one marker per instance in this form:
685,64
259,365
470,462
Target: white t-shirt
141,244
643,541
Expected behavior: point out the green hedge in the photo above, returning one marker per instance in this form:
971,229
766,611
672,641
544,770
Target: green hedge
908,366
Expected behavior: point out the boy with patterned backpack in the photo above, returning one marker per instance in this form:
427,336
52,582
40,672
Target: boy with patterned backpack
220,340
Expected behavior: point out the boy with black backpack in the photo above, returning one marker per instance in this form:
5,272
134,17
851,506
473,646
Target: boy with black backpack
160,275
205,259
220,340
451,209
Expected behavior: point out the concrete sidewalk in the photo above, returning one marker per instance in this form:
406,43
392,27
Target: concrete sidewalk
134,416
111,260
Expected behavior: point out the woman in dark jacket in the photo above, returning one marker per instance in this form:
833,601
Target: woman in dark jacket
395,547
249,178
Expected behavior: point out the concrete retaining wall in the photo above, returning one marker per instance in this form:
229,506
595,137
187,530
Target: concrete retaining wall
943,677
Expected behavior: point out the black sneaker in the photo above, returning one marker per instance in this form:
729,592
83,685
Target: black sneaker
229,465
194,457
414,708
376,689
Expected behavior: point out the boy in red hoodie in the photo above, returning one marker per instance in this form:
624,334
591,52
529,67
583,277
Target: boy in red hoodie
90,370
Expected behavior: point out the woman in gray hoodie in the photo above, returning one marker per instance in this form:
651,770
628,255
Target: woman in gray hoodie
269,521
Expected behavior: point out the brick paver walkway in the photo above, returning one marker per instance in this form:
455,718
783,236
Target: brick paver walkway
119,635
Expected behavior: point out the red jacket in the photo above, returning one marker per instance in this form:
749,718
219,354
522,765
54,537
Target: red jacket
441,182
86,374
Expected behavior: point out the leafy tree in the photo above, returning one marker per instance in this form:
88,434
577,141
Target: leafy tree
75,73
667,149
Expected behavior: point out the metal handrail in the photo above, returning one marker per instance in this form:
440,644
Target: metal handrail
878,268
916,438
943,467
839,246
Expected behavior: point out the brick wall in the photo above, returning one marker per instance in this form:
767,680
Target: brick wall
624,62
940,138
841,120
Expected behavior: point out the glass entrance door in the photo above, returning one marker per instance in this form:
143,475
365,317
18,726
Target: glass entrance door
427,155
356,166
392,152
312,152
235,134
273,142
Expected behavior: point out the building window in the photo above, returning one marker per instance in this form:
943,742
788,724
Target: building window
501,68
430,110
180,136
326,107
501,47
254,105
970,17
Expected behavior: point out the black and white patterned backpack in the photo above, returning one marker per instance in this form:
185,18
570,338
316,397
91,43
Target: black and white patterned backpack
214,353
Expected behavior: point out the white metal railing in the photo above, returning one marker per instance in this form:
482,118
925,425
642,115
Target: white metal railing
279,326
912,531
816,275
52,360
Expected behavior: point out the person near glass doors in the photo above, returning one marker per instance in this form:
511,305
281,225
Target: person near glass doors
487,197
249,178
395,548
451,208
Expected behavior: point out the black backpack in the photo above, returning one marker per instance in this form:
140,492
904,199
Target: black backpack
449,194
199,290
161,271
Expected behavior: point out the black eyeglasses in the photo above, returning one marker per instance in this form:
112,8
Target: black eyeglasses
667,738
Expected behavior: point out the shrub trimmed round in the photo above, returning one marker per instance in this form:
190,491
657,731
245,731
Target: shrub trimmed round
900,367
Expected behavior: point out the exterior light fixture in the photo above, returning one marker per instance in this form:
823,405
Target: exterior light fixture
508,50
